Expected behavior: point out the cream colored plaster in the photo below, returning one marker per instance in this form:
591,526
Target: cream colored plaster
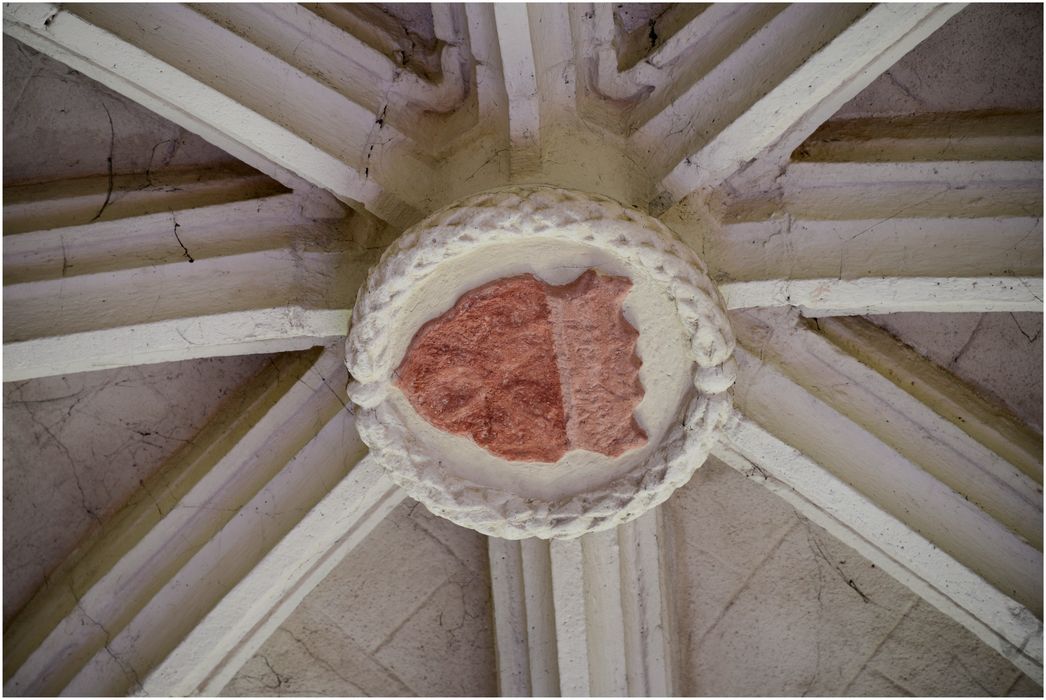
999,354
76,447
407,613
765,606
766,602
56,126
989,56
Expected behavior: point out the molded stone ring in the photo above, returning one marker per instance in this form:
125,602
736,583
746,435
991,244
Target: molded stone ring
539,362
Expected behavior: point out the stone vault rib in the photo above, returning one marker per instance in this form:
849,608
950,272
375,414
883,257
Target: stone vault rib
336,46
520,78
48,205
533,101
931,213
898,479
186,581
270,273
583,617
994,427
767,95
196,73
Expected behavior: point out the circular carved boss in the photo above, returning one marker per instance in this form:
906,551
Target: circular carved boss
685,346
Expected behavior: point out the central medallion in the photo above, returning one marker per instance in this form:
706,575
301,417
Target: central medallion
530,370
539,362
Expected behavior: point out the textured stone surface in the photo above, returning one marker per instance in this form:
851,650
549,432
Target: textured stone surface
999,354
530,371
56,126
77,447
747,519
988,56
552,232
406,613
487,369
599,370
768,603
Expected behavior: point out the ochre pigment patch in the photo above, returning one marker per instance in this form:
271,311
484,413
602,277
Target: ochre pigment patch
529,370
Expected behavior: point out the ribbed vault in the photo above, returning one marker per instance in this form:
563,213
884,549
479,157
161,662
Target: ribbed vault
313,135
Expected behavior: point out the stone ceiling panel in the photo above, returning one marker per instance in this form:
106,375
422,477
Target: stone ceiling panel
989,56
76,447
767,602
770,604
407,613
56,126
998,353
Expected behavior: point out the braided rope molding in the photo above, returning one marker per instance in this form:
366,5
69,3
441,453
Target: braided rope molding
519,213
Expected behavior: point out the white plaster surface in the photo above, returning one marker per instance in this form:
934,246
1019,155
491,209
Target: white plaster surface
76,447
406,613
765,607
56,126
1000,354
989,56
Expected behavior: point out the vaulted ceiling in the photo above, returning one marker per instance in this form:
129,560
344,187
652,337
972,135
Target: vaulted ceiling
226,191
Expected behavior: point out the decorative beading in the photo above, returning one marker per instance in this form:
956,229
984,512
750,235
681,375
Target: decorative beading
518,214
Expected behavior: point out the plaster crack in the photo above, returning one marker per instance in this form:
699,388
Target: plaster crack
969,340
141,483
179,239
20,387
152,155
818,550
497,152
83,495
323,662
1035,230
17,99
851,584
337,396
147,433
124,665
902,87
182,336
757,468
79,398
380,122
899,212
1028,287
65,258
280,678
72,463
109,161
820,604
1030,338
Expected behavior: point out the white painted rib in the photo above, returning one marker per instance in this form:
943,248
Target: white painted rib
584,617
200,93
860,523
213,549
